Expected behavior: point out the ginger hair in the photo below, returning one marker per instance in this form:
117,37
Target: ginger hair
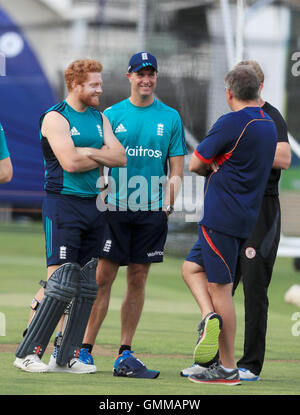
78,71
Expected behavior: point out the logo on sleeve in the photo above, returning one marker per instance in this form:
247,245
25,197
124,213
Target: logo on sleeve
100,130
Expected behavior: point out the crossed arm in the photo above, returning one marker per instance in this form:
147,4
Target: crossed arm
6,170
282,160
80,159
203,169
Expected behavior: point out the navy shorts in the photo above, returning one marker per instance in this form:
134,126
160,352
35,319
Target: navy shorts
134,237
217,253
73,229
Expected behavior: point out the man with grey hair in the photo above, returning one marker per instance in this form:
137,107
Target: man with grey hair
243,83
236,158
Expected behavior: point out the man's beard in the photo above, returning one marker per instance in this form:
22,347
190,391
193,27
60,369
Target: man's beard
90,100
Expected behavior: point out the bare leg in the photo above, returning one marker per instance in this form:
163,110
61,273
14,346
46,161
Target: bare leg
221,295
106,274
195,278
217,298
133,301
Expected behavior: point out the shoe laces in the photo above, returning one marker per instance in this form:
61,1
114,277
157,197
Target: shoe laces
127,352
124,355
86,357
212,368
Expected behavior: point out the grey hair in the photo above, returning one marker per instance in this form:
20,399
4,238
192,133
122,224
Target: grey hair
255,66
243,82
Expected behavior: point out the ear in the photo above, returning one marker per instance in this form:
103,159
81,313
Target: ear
74,86
229,94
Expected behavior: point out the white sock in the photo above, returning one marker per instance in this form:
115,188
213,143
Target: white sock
226,369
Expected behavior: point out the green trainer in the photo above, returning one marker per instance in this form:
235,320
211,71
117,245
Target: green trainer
207,344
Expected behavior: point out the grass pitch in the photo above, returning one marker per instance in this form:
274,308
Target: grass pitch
165,337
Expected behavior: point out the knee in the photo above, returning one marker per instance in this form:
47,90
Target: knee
104,278
216,289
190,271
137,277
185,271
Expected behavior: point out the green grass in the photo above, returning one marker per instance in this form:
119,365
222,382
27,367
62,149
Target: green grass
165,337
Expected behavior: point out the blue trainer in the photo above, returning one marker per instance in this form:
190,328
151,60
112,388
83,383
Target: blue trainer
86,357
247,375
127,365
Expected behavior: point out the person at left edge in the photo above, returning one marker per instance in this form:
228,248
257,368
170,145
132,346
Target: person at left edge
71,132
6,170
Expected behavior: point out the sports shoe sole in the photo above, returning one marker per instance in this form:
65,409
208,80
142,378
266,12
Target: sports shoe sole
250,380
217,382
255,379
69,370
80,369
207,347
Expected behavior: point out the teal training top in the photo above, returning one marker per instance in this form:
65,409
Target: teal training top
4,153
150,135
86,129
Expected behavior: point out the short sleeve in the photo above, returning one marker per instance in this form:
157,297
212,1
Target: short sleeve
177,145
4,153
281,128
218,141
109,115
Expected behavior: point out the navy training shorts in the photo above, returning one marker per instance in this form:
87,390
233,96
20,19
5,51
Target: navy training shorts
134,237
73,229
217,253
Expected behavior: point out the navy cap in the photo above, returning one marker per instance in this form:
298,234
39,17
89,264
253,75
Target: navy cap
134,368
142,60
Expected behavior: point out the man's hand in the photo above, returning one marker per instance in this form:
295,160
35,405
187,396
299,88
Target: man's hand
200,167
214,166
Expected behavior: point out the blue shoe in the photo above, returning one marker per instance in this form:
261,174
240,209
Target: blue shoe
127,365
246,374
86,357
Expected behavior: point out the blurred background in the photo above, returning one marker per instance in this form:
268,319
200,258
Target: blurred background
195,41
